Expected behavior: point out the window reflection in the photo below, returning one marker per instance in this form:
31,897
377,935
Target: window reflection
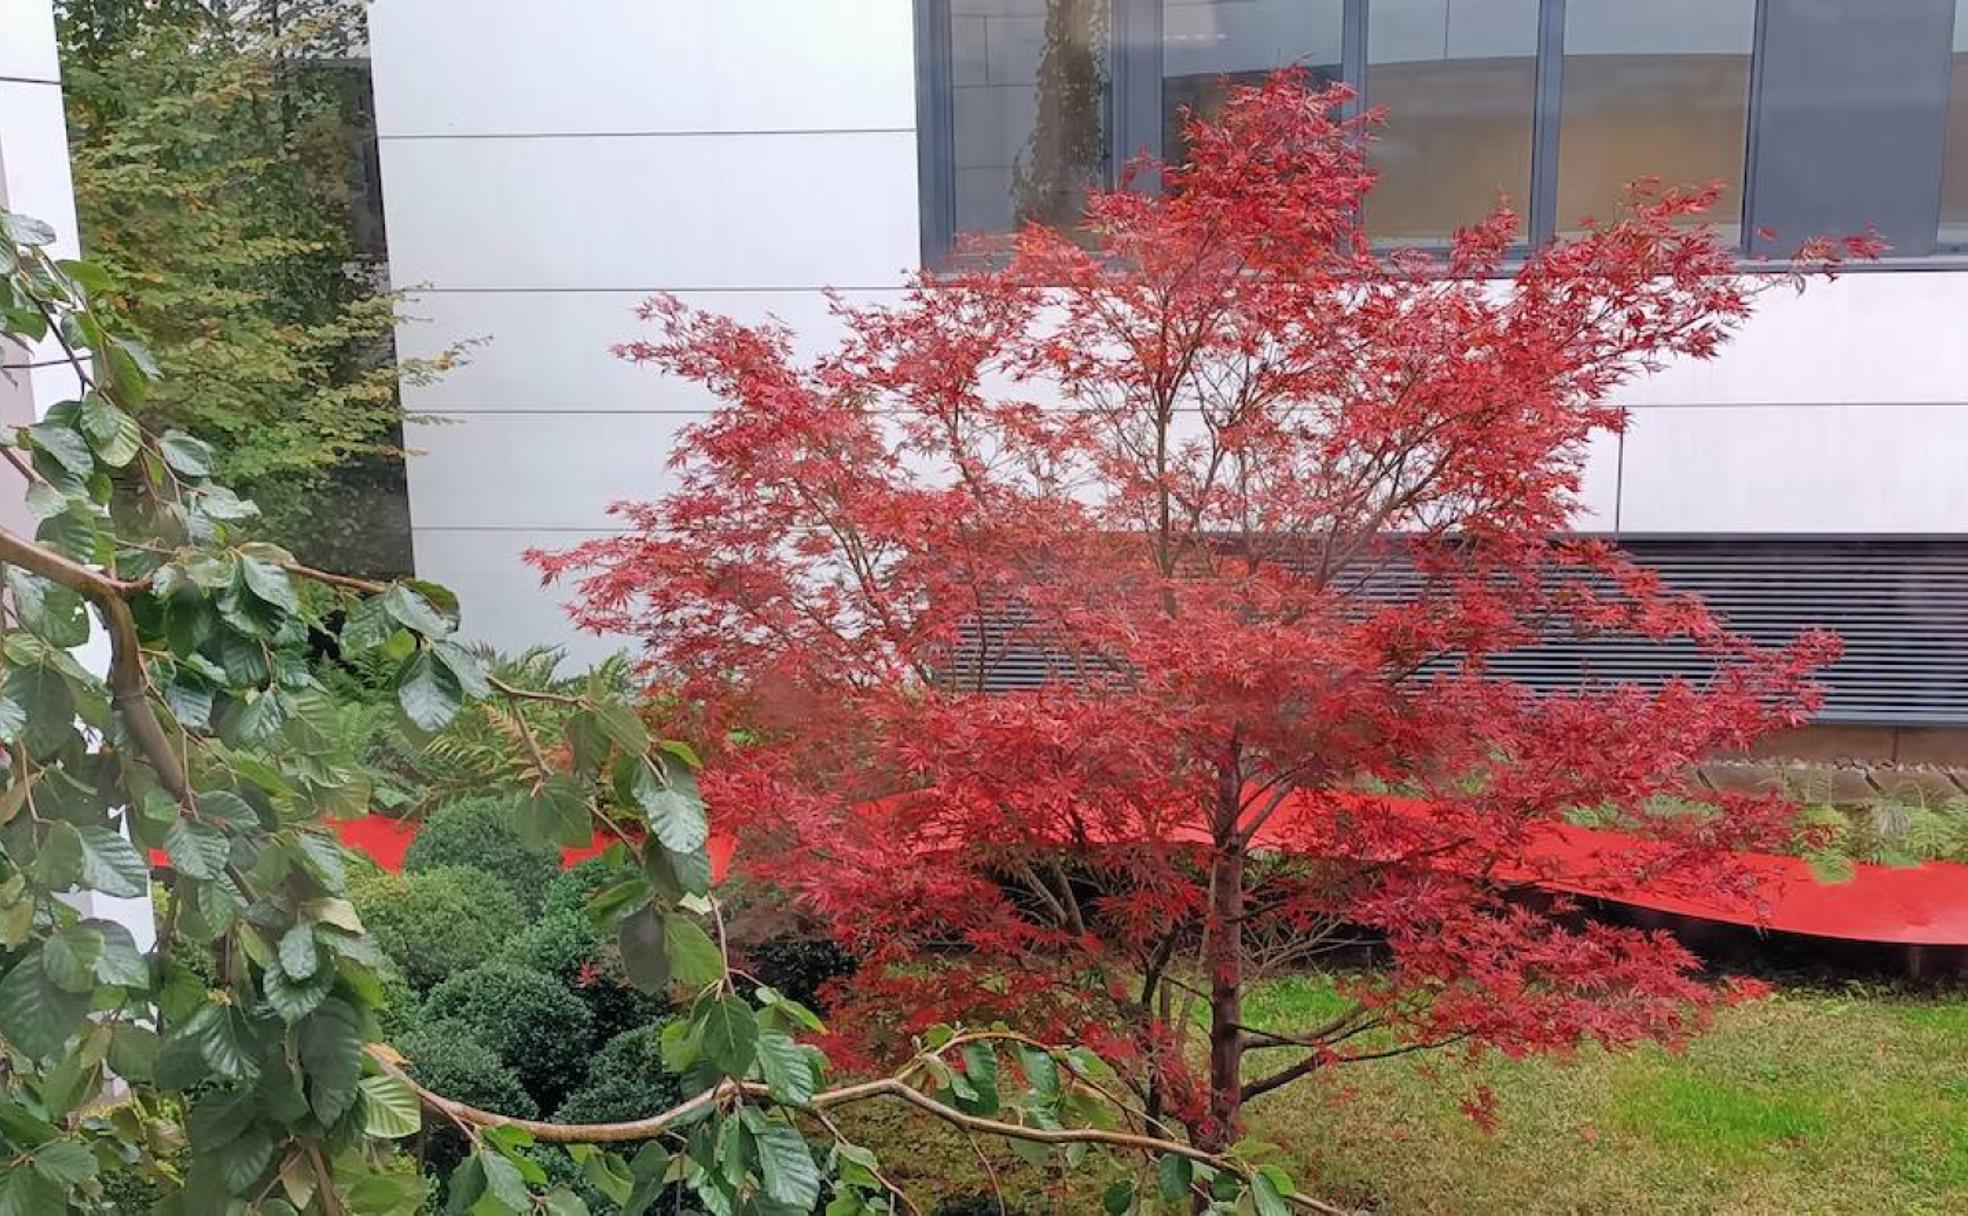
1658,89
1210,46
1029,97
1458,81
1954,160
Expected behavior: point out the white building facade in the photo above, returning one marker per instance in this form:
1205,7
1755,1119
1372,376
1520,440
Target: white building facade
548,165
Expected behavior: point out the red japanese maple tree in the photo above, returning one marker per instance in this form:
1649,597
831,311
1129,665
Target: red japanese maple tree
1111,619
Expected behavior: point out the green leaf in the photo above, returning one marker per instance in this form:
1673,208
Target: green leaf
414,612
69,957
44,694
25,1192
133,1052
298,957
121,964
503,1184
428,691
224,1039
64,1163
58,864
1118,1198
981,1070
270,583
1267,1194
111,864
390,1109
694,958
37,1015
242,1162
113,433
44,500
730,1035
66,444
675,812
605,1171
558,814
195,850
185,454
294,999
331,1056
52,613
786,1164
1174,1175
640,939
620,724
25,230
220,1117
563,1202
368,626
468,667
787,1068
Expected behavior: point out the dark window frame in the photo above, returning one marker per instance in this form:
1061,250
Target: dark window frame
1136,122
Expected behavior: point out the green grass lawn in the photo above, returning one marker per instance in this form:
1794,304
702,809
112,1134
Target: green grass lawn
1813,1101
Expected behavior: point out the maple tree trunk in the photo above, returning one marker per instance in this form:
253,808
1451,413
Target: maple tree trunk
1226,971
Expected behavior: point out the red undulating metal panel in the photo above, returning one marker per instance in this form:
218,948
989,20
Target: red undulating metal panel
1921,905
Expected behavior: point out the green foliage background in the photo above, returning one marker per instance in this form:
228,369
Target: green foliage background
223,168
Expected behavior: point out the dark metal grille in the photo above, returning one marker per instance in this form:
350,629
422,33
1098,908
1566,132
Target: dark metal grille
1899,603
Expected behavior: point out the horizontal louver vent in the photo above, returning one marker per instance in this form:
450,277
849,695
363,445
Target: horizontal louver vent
1899,604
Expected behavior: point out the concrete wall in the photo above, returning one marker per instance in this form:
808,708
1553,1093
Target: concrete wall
546,166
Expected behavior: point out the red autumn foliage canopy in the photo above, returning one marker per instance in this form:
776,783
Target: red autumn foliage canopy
1262,504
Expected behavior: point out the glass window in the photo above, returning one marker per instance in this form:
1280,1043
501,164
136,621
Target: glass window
1850,111
1458,82
1029,85
1954,161
1656,89
1210,45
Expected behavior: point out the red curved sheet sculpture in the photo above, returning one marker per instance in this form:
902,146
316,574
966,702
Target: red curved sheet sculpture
1920,906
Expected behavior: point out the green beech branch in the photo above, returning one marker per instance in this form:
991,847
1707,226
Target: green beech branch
894,1088
129,683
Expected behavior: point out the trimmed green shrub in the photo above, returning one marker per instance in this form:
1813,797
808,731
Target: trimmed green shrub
565,945
439,922
533,1024
481,832
447,1057
558,944
627,1080
572,888
402,1007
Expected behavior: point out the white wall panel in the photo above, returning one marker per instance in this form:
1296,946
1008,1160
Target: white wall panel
35,181
652,212
1867,337
1798,468
502,600
27,40
551,350
536,470
527,67
34,157
1599,486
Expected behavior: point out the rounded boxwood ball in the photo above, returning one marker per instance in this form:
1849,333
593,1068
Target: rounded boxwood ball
531,1022
483,832
439,922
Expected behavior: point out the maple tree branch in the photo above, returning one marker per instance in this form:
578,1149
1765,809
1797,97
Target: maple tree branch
1313,1063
